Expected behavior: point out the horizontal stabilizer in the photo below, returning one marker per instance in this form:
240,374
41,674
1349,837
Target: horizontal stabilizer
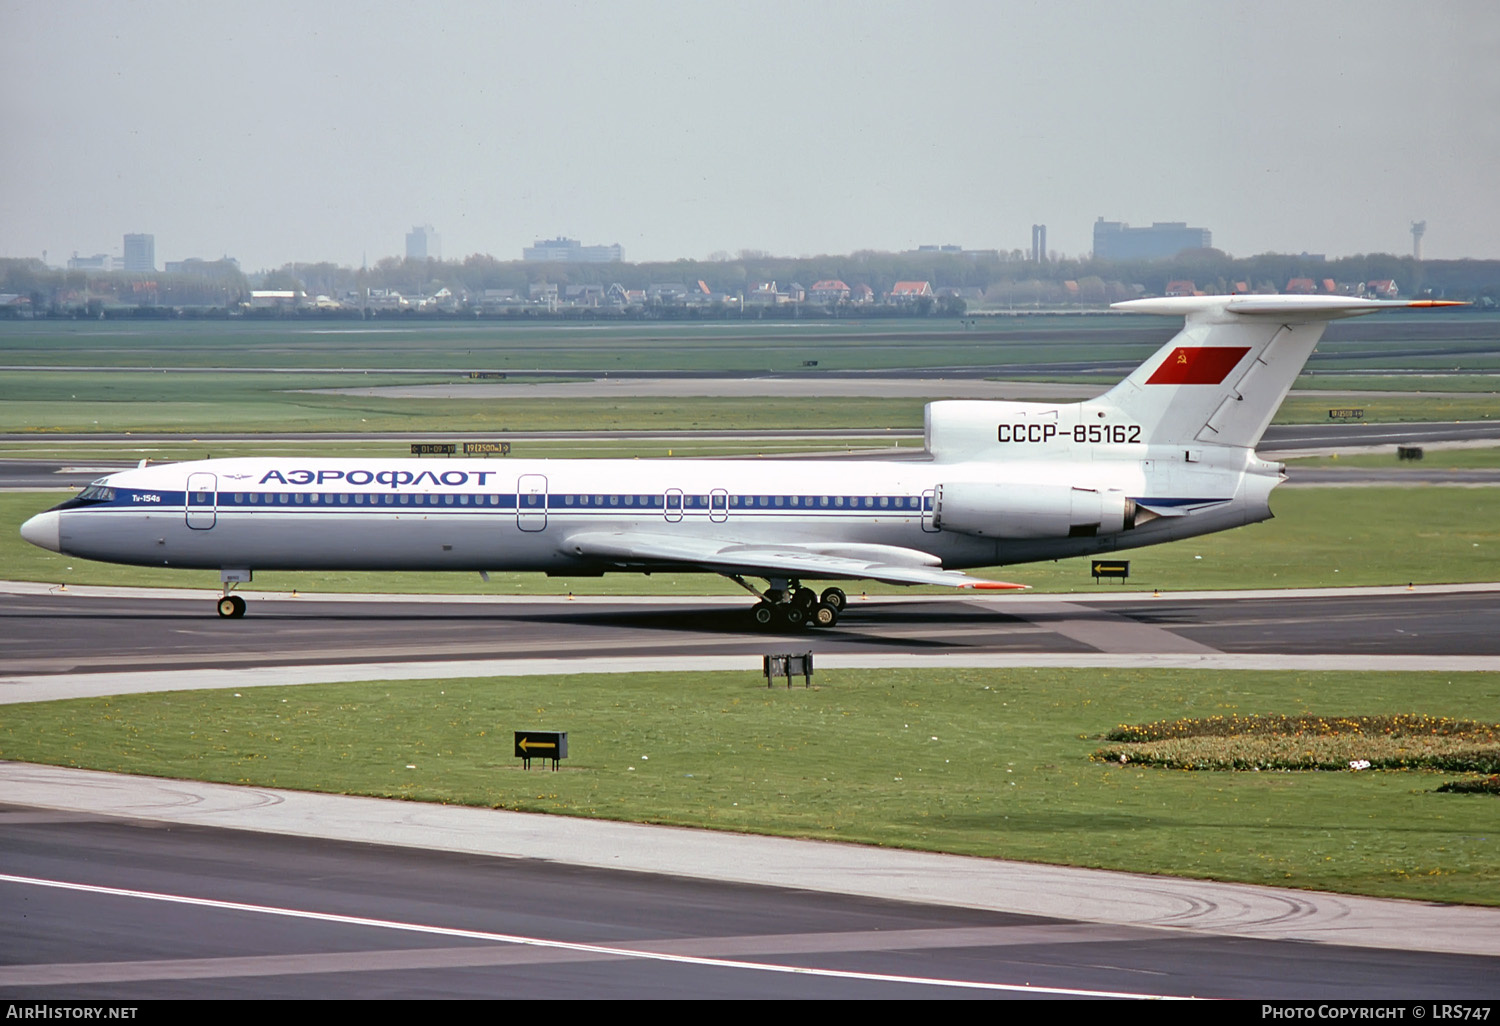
1320,308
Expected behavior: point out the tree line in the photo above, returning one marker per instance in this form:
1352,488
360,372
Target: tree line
1002,278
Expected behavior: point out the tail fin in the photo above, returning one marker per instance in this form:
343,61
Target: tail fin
1222,378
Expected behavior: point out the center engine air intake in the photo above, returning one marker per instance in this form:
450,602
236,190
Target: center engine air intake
1031,510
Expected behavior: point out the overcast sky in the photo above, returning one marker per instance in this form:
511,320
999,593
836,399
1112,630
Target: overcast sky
307,131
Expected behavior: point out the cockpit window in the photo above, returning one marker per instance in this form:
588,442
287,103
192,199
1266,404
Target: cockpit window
91,496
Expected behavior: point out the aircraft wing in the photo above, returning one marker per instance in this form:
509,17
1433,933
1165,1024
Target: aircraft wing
888,563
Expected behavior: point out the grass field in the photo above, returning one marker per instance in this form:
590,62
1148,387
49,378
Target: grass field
1320,537
1398,407
294,413
46,402
139,377
1409,382
990,763
585,447
710,347
1485,458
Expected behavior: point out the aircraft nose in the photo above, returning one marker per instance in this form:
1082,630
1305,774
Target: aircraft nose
43,530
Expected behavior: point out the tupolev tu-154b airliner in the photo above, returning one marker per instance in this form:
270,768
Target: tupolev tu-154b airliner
1168,453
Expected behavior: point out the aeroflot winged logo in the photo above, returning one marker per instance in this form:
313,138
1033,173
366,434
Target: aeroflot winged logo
1197,365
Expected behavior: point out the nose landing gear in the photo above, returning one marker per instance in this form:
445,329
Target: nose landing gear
232,607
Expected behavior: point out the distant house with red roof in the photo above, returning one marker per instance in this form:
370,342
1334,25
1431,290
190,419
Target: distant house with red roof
1301,287
1181,288
909,291
1383,289
829,291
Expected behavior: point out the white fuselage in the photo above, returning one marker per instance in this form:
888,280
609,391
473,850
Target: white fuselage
507,514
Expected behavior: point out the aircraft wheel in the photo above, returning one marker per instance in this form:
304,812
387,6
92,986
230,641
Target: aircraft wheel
231,606
806,598
836,598
794,615
775,596
764,614
824,615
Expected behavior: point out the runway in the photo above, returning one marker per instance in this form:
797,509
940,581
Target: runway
54,639
336,896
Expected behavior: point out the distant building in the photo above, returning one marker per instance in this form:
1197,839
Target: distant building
140,253
909,291
422,243
584,295
948,249
571,251
1116,240
201,267
97,262
764,293
831,290
272,299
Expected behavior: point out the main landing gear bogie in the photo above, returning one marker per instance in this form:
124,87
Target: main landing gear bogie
797,607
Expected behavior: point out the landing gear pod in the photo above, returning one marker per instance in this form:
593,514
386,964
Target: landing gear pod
1031,511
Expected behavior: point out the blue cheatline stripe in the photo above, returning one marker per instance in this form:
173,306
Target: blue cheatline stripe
593,502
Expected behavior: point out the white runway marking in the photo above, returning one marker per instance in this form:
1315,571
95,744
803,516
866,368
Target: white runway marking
606,951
